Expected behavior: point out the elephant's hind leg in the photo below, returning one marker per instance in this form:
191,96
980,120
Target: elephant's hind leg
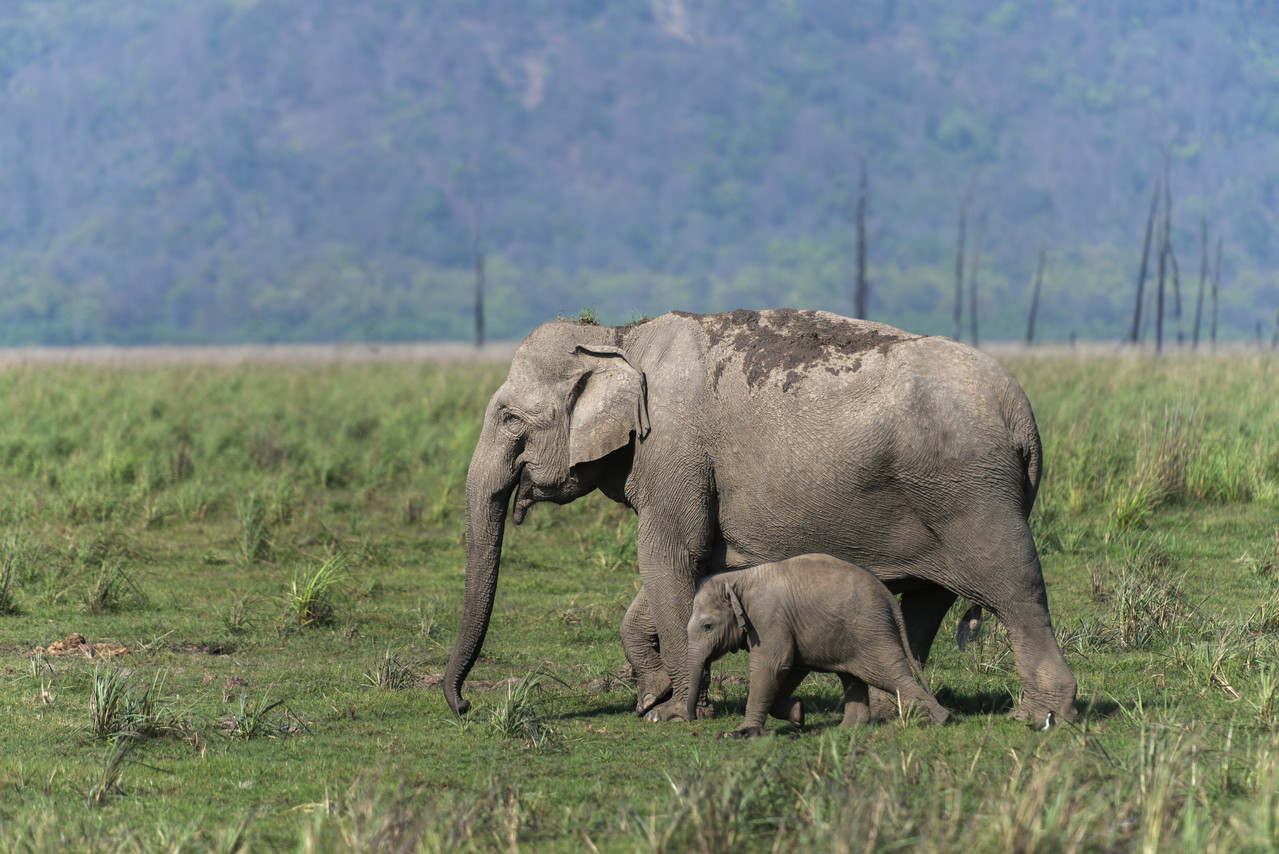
923,611
788,707
1047,683
1000,570
857,710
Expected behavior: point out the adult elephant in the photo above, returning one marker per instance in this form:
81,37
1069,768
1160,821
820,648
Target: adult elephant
753,436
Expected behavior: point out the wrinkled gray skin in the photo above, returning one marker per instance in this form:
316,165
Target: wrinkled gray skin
805,614
749,437
640,643
652,685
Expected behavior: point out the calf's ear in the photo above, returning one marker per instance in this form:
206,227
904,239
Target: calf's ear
737,606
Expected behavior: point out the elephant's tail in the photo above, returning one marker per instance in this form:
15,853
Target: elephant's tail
915,666
1025,440
969,626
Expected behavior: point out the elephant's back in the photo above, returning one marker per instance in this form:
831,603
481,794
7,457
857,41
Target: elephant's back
799,377
829,595
859,439
789,353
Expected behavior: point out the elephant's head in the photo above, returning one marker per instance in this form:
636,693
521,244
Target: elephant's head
573,397
719,625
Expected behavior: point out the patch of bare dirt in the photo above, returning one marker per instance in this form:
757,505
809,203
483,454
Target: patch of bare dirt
203,648
76,644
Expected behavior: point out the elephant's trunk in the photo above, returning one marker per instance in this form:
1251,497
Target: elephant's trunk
489,482
697,661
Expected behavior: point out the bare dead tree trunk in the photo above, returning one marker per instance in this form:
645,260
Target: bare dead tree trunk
1216,287
860,289
957,316
1159,297
1034,298
1176,293
477,247
1203,278
1134,335
1159,305
1163,258
972,279
1274,339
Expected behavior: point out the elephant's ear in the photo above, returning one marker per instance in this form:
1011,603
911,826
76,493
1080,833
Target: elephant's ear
611,403
737,606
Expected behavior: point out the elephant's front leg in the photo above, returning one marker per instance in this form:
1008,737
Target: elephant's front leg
772,678
669,566
640,643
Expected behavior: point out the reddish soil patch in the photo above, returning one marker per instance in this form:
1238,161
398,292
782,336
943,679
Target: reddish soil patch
75,644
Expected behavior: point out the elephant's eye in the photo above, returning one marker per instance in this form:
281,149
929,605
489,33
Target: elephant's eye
510,420
706,627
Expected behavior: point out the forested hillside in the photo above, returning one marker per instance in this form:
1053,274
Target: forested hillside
241,170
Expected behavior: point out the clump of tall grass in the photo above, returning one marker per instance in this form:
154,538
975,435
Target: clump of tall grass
1265,699
723,809
369,816
14,559
1265,618
1225,470
1160,473
263,718
42,676
108,778
518,716
390,673
1265,567
313,594
255,531
112,588
237,617
120,710
1144,601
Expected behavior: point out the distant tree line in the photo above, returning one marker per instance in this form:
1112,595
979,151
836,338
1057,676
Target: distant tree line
220,170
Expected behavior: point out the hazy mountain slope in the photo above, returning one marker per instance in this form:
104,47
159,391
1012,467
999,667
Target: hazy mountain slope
233,170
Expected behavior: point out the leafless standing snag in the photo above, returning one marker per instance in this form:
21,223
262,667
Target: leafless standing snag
957,316
1216,286
1134,335
1203,278
972,279
860,288
1034,298
477,247
1164,248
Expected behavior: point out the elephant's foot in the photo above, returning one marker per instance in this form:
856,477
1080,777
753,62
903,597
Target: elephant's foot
791,710
1032,712
744,732
677,711
650,691
883,706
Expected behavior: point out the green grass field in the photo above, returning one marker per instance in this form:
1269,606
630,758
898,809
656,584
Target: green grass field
279,549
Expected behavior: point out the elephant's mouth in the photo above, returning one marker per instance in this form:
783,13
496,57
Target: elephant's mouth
524,497
559,489
523,500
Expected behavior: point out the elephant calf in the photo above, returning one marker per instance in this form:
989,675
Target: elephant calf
813,612
641,645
